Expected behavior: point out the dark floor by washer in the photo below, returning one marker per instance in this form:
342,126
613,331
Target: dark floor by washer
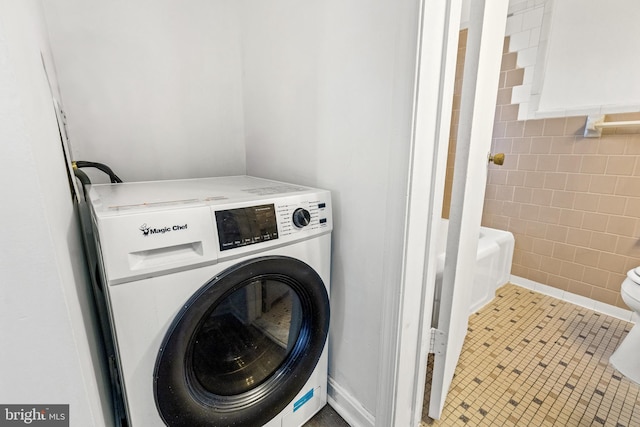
327,417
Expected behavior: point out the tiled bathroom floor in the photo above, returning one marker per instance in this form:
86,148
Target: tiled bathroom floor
533,360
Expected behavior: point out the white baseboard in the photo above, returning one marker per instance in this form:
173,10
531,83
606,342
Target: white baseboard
348,407
600,307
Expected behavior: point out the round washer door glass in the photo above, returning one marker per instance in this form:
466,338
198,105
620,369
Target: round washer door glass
243,346
246,337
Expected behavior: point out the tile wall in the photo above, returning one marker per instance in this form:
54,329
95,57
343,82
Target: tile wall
572,203
528,27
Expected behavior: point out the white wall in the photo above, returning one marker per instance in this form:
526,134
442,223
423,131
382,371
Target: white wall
47,351
579,57
593,55
315,93
328,97
152,88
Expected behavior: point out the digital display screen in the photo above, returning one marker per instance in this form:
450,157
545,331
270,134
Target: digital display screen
246,226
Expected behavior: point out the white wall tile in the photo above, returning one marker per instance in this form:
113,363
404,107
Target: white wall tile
527,57
516,6
534,39
613,109
532,18
523,111
613,311
514,24
546,26
519,41
550,114
534,102
589,303
595,109
529,21
520,94
528,75
580,300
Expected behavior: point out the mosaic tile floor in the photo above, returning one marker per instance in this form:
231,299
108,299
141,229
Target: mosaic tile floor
533,360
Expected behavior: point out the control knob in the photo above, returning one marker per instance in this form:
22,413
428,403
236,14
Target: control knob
301,217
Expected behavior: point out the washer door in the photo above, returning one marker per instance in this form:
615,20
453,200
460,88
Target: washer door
243,346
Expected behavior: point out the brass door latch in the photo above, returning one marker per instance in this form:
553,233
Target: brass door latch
497,159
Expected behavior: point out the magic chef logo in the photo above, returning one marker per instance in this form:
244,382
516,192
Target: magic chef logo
146,230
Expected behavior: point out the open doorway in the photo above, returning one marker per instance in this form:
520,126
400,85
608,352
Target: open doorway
479,54
402,380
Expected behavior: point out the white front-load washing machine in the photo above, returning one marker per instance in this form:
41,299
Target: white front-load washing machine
218,296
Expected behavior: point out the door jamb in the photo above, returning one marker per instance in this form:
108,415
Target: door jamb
408,308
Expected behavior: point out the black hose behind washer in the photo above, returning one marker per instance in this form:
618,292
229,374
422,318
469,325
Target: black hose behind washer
104,168
84,179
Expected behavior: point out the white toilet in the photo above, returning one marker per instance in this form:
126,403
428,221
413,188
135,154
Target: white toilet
625,359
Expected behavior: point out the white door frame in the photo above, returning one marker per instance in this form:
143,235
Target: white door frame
406,317
483,58
408,309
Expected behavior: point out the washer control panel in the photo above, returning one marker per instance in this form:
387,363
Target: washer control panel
246,226
301,216
283,220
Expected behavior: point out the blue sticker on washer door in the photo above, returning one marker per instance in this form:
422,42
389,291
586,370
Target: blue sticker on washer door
304,399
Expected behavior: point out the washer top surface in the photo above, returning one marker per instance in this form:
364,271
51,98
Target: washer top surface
158,227
114,199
